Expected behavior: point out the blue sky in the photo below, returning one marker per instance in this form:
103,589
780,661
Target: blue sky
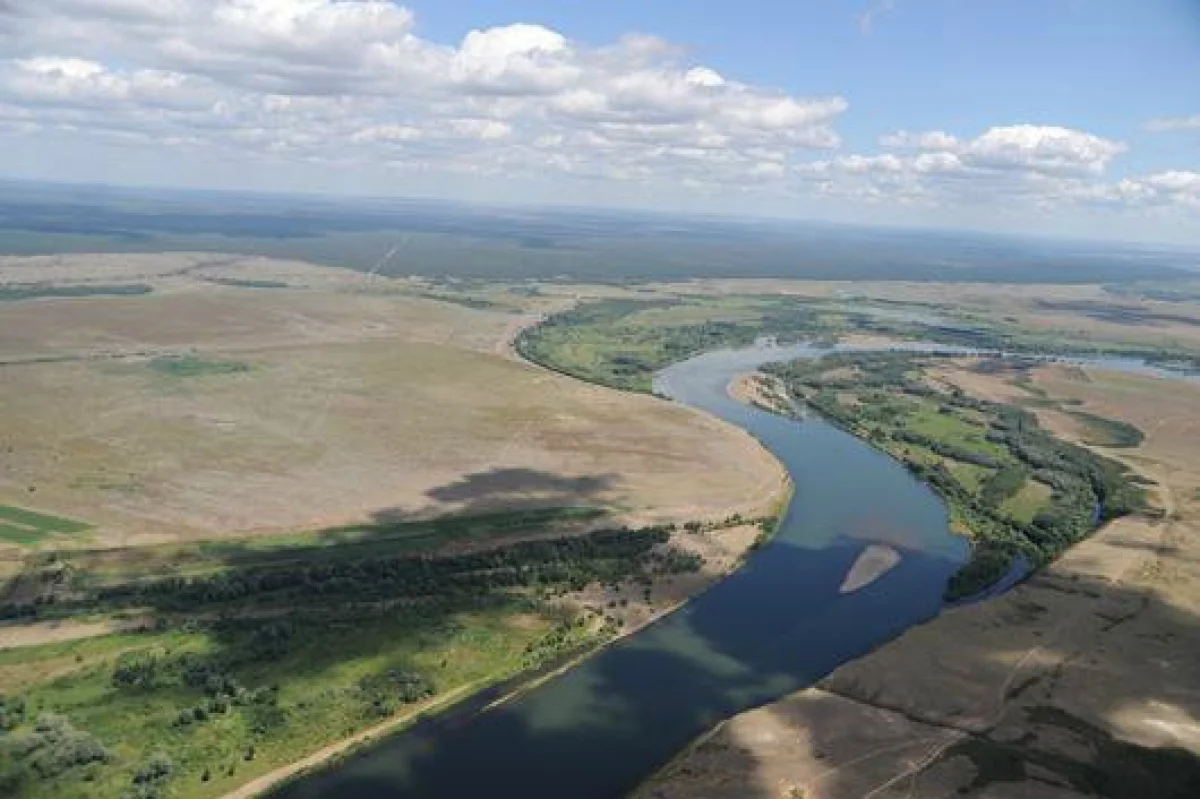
1068,117
1106,66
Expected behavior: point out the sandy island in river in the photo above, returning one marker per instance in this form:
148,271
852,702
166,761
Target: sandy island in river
874,562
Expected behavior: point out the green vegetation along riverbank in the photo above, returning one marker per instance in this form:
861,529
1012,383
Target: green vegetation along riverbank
621,343
232,662
1010,486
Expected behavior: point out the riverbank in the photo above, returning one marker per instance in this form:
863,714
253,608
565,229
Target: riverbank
722,544
1018,493
1080,682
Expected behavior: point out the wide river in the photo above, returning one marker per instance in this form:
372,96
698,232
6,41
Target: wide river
777,625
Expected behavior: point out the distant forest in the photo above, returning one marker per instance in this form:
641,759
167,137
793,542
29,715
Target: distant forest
443,239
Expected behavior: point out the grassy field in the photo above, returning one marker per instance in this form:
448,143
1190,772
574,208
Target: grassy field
195,366
12,293
311,510
22,526
1024,505
382,419
205,410
221,708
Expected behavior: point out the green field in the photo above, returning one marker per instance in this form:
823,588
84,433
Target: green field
1026,503
226,702
195,366
21,526
35,291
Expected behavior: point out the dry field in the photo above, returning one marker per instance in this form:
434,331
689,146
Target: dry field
1082,682
337,400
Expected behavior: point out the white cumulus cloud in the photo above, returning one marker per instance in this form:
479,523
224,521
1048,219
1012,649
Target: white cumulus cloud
354,80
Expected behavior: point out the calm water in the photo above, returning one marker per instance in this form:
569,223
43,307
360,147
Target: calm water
776,626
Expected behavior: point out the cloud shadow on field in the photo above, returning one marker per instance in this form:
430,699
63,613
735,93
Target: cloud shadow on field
507,490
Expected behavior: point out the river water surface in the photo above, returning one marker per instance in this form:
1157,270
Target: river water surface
775,626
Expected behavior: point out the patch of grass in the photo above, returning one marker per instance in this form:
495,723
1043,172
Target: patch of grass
21,526
1028,502
244,283
1101,432
951,429
40,521
16,534
195,366
969,475
465,300
32,291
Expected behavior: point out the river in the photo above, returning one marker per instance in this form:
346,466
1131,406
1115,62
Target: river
775,626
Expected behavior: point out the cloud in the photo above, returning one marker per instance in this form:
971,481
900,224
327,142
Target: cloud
1048,150
933,140
866,18
1173,124
1037,148
354,80
1170,191
1029,165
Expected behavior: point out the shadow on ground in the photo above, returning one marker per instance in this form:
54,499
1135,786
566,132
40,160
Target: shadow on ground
508,489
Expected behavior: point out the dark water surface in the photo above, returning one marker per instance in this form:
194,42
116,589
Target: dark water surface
777,625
